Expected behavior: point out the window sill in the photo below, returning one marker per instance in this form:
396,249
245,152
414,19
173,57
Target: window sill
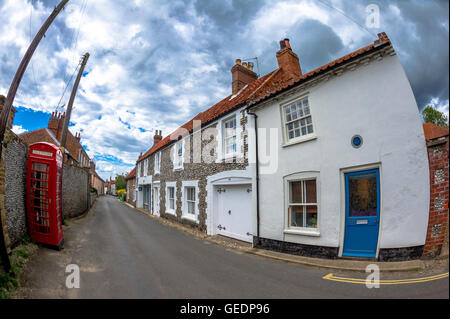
192,218
178,168
232,156
303,232
300,140
171,212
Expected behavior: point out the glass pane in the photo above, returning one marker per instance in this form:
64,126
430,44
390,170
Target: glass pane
296,216
311,216
363,195
311,195
296,192
191,208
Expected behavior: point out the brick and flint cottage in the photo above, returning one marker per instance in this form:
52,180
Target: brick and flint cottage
342,161
131,186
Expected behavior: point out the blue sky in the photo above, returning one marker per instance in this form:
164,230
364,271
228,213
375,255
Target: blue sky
156,64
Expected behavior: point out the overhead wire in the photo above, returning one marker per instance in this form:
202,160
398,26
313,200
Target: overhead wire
348,17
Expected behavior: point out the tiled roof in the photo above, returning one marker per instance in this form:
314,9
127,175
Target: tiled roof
131,174
381,41
261,89
433,131
226,105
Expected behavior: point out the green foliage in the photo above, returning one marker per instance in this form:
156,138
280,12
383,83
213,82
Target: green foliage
8,282
431,115
94,190
121,183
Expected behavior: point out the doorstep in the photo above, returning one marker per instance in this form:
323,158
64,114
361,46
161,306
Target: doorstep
339,264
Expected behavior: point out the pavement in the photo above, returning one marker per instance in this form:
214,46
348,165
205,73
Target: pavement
122,253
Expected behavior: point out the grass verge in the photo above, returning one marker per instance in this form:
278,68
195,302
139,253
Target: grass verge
9,282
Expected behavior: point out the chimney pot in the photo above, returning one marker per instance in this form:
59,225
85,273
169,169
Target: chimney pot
287,59
157,137
241,76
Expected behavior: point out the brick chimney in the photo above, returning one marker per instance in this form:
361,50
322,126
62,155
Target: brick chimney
242,74
56,124
157,137
78,136
287,59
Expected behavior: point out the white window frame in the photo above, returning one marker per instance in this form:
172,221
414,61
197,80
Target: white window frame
177,165
168,209
303,176
184,213
157,162
233,132
221,155
138,170
302,138
145,163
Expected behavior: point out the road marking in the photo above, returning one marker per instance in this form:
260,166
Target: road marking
385,282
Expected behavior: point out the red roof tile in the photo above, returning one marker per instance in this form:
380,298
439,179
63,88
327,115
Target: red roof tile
131,174
382,40
433,131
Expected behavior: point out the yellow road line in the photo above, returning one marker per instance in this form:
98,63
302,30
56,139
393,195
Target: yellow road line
385,282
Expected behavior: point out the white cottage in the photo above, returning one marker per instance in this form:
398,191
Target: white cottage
343,168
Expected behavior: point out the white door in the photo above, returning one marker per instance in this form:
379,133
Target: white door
156,200
234,211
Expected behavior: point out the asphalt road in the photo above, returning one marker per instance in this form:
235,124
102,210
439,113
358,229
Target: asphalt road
125,254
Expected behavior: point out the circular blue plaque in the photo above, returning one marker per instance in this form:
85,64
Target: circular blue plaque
357,141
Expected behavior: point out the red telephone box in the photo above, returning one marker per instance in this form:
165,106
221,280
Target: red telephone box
44,193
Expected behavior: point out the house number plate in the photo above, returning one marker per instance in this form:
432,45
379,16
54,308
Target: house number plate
362,222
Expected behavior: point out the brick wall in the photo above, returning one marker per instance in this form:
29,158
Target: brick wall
76,189
131,191
437,232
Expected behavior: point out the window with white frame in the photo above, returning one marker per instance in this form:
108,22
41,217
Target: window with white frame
302,206
178,155
171,198
145,163
157,162
190,200
229,137
297,119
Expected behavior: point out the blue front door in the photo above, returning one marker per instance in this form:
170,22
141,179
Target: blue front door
362,213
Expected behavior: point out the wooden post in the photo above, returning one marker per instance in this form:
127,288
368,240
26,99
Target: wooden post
10,99
71,100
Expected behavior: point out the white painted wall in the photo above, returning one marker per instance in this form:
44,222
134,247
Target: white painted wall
376,102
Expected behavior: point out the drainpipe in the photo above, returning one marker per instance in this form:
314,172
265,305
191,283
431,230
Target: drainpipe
257,176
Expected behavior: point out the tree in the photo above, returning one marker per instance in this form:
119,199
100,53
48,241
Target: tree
120,182
431,115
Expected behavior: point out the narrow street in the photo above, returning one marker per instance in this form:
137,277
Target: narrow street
125,254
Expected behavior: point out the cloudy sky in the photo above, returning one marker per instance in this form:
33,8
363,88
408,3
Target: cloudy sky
156,64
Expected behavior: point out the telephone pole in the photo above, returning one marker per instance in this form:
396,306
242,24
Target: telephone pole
71,100
8,105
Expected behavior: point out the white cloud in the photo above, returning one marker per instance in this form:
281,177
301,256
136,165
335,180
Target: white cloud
18,129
